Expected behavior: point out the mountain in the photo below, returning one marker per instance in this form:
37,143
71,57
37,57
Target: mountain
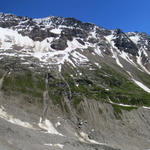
65,84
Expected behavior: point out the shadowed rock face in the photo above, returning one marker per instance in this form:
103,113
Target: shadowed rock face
123,43
60,44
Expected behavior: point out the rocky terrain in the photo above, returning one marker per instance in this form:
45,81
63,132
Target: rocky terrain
65,84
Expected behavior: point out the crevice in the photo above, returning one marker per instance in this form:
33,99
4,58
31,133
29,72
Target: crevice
46,101
68,101
2,80
68,86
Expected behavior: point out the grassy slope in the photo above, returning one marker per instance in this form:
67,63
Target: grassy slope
26,83
92,84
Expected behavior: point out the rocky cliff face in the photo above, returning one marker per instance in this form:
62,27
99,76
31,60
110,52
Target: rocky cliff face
88,86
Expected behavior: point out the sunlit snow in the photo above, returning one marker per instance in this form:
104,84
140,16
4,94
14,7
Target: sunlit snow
48,126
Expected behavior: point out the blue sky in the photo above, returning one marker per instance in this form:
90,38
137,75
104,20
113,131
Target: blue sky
129,15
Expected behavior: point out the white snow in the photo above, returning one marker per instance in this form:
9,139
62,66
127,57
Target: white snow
93,33
117,60
98,51
127,58
57,124
59,57
121,54
83,137
13,120
8,38
56,31
46,21
146,107
48,126
79,58
98,65
110,38
77,84
61,146
80,74
114,51
41,50
135,38
129,73
119,104
145,88
139,61
107,89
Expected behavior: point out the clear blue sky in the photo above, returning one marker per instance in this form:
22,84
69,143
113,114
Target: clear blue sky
129,15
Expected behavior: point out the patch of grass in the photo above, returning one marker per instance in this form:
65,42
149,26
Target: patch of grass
77,100
129,93
145,78
56,98
91,84
25,83
118,110
1,73
57,90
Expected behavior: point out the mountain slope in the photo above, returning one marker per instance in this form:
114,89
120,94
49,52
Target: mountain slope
97,80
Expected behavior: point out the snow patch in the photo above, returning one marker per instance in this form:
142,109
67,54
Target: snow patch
125,105
56,31
139,61
83,137
145,88
119,104
127,58
9,38
48,126
135,38
98,65
98,52
117,61
61,146
11,119
57,124
79,58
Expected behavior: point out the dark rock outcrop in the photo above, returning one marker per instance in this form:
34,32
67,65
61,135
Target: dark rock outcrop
59,44
123,43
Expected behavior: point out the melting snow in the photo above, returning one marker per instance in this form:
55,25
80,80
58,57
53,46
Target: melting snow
110,40
98,51
84,138
57,124
56,31
11,119
145,88
55,145
127,58
40,50
79,58
48,126
98,65
125,105
119,104
135,38
9,38
117,60
139,61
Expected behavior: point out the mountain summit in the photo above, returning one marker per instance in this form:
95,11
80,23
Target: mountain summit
65,84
